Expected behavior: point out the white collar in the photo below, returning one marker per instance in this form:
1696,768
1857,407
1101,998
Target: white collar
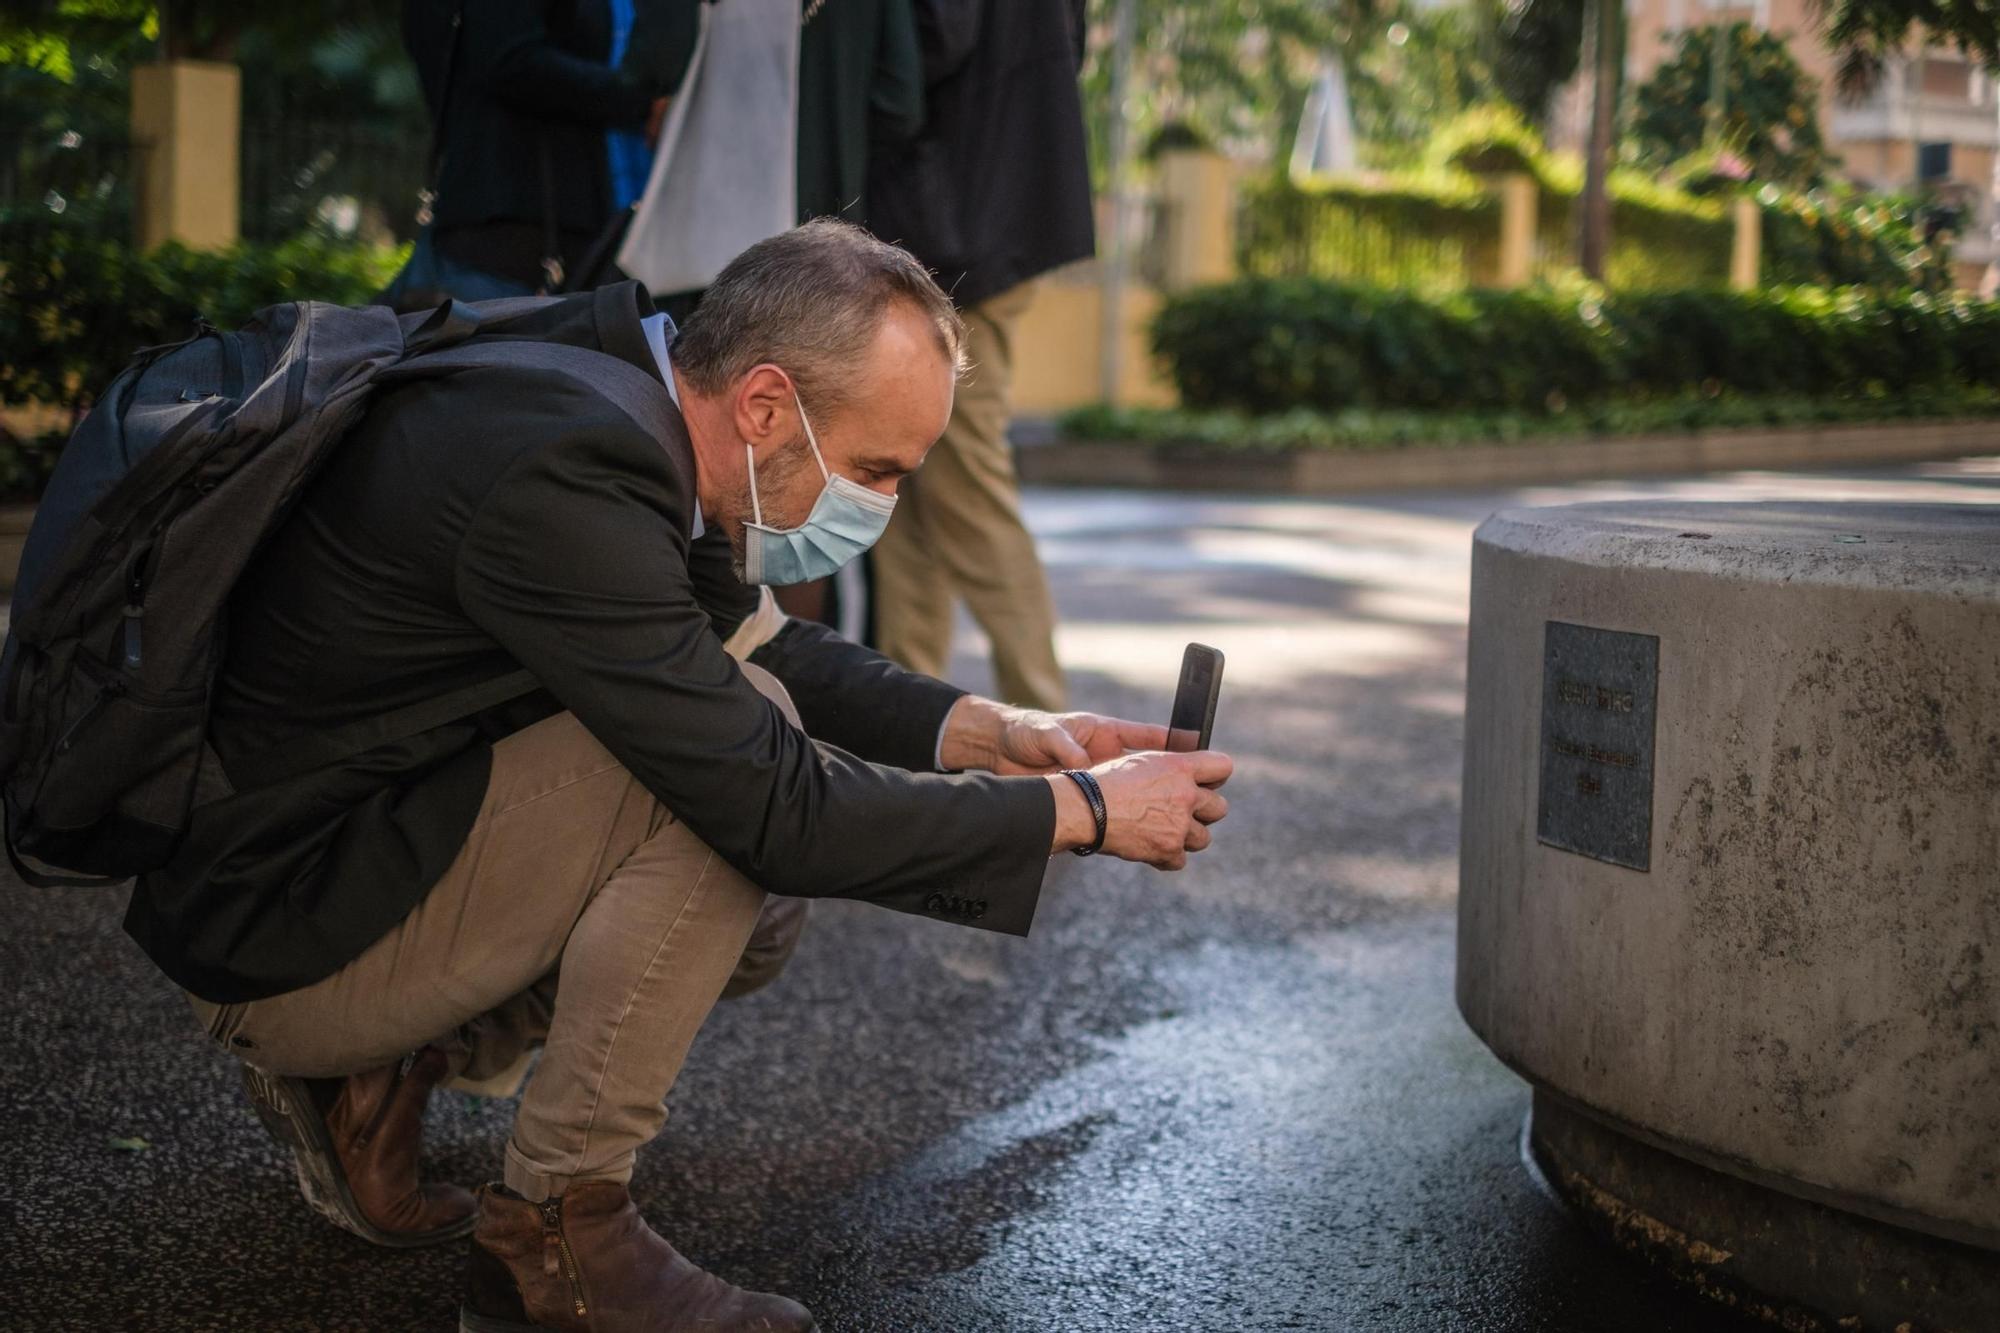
655,327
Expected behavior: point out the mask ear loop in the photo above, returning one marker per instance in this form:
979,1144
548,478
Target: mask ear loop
750,462
811,438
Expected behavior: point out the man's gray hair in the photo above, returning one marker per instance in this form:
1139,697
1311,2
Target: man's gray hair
810,300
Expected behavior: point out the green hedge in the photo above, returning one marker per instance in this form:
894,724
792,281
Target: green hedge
1440,231
76,301
1272,345
1361,429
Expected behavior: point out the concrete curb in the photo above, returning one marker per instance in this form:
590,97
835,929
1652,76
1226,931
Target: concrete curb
1187,467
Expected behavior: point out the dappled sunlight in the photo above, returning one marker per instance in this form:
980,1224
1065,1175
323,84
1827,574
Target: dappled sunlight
1261,656
1449,702
1942,483
1412,606
1403,880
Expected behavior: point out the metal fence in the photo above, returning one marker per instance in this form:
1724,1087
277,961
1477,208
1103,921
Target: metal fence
296,175
1367,236
303,175
90,178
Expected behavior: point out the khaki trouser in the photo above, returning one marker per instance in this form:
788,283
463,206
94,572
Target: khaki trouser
957,532
580,914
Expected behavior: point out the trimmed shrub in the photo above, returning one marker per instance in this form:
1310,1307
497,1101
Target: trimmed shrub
1268,345
1443,231
76,301
1360,429
1489,140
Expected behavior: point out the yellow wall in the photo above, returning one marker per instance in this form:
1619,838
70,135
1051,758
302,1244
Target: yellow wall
1056,356
186,122
1058,363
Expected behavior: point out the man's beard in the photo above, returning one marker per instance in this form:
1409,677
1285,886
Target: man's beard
737,510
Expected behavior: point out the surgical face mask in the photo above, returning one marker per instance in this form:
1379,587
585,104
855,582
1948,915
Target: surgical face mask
846,520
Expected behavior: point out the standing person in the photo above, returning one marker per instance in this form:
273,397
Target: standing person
861,94
658,55
861,91
526,94
995,192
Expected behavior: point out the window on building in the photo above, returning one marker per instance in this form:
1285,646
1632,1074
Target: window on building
1947,78
1933,161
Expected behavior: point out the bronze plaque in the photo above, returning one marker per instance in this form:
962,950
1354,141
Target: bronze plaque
1598,691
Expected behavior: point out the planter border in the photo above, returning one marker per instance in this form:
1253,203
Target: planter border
1187,467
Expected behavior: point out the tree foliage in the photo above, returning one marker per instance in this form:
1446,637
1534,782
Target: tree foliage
76,55
1863,32
1420,68
1238,73
1537,47
193,29
1770,107
330,105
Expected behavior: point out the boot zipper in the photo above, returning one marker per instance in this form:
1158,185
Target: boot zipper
388,1100
556,1253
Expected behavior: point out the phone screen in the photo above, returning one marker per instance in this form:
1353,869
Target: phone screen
1193,721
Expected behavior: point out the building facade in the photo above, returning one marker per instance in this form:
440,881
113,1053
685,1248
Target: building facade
1932,122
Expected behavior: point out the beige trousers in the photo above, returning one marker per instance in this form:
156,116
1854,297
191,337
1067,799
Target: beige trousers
957,533
579,914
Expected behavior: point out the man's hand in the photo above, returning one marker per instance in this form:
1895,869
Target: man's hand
1159,806
980,733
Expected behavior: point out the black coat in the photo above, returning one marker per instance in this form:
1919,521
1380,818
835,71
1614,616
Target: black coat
484,521
531,99
997,188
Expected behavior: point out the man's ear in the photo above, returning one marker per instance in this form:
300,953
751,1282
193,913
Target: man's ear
764,405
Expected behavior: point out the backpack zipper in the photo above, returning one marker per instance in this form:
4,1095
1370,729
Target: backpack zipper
556,1254
106,692
202,328
135,607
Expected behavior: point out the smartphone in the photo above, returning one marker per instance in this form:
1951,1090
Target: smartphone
1193,722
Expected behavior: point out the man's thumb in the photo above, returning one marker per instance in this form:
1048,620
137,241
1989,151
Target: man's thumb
1211,768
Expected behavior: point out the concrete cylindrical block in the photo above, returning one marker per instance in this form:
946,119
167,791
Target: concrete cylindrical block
1730,861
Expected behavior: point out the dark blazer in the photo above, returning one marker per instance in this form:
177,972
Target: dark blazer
861,91
997,187
531,94
485,521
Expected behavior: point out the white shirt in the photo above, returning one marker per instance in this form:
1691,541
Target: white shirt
656,338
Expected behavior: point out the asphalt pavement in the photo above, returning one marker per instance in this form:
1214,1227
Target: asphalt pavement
1237,1097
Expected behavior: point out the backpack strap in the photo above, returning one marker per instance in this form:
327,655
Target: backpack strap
634,392
451,323
631,390
42,879
434,161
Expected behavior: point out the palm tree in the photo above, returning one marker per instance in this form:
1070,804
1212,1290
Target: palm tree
1604,57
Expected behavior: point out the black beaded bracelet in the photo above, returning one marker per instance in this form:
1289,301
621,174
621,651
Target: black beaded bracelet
1093,795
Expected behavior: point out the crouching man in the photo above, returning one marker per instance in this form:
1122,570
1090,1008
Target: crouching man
585,868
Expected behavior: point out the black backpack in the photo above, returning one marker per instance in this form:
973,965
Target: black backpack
187,462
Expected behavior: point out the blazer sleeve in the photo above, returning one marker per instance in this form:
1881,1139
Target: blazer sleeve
896,94
661,46
575,563
854,697
847,695
949,32
509,55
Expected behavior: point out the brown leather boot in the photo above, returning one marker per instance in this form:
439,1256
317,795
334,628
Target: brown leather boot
355,1143
586,1262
